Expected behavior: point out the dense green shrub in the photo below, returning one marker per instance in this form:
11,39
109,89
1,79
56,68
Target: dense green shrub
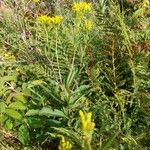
59,58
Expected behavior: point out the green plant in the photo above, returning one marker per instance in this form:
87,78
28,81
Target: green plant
75,56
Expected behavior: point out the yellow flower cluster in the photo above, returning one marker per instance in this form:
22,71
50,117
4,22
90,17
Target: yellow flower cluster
87,124
7,56
36,1
56,19
82,7
44,19
88,24
146,3
64,144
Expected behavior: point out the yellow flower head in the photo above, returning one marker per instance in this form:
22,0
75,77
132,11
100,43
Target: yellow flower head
36,1
44,19
88,24
82,7
87,124
146,3
64,144
56,19
17,69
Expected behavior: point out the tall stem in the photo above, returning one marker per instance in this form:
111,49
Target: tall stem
57,56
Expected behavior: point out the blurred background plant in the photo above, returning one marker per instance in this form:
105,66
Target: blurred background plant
60,57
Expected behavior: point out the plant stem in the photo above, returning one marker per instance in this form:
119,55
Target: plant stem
57,57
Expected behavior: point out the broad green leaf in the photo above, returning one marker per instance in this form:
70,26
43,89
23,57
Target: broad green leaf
9,124
35,122
14,114
20,97
8,78
49,112
17,105
2,107
23,135
53,123
3,118
26,91
32,112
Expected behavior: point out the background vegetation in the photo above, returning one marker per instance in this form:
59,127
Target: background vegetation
59,58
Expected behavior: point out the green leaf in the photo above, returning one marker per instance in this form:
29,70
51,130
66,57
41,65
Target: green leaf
81,89
32,112
35,122
23,135
3,118
14,114
2,107
20,97
49,112
9,124
25,90
17,105
138,13
71,77
35,83
53,123
8,78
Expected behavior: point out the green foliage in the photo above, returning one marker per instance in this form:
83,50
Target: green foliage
96,61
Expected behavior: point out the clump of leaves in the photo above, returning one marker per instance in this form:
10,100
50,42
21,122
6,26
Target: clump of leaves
64,67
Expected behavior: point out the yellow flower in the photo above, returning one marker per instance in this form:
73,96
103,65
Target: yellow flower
64,144
6,55
17,69
88,24
87,124
36,1
82,7
44,19
146,3
56,19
